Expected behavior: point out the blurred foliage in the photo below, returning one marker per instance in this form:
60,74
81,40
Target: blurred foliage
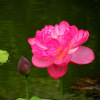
33,98
3,56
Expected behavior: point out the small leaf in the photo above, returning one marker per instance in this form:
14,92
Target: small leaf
35,98
20,99
3,56
46,99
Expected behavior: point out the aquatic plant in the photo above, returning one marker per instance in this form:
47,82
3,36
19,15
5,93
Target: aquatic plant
56,46
3,56
24,68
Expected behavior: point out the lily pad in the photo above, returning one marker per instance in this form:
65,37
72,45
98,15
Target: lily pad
20,99
3,56
35,98
46,99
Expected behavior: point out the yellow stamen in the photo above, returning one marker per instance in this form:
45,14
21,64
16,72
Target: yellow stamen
70,45
54,37
59,48
61,54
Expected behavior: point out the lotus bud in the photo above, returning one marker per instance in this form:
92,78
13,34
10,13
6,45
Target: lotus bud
24,66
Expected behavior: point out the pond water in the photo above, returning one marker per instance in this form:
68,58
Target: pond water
19,20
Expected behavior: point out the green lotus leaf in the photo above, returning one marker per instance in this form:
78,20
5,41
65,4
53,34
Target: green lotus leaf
3,56
46,99
35,98
20,99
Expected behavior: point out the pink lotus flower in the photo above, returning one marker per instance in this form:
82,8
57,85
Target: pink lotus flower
56,46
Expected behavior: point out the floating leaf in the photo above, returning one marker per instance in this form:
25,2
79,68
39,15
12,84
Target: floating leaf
46,99
35,98
3,56
20,99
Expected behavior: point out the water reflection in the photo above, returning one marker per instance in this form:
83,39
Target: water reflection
88,85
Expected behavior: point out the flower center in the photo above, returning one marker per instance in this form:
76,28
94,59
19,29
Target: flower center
62,53
59,48
70,46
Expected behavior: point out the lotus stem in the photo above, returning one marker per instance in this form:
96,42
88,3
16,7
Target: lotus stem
61,89
27,87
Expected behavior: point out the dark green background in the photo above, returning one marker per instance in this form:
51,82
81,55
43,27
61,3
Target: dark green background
19,20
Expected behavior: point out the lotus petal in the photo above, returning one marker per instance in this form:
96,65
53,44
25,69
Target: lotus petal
56,71
83,55
40,62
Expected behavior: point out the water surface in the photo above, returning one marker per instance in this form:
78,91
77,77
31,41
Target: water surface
19,20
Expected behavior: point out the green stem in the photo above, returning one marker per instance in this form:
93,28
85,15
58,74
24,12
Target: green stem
61,89
27,87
